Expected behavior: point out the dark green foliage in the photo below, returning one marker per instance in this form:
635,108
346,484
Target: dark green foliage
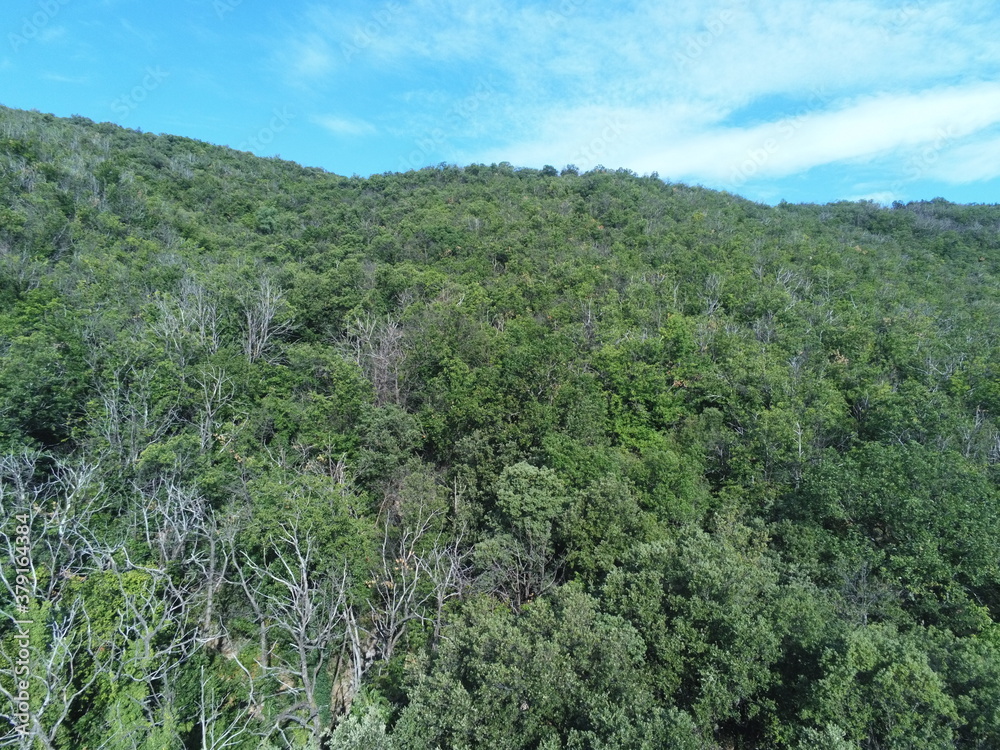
490,457
43,371
563,674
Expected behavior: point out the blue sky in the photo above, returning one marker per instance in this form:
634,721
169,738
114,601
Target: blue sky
798,100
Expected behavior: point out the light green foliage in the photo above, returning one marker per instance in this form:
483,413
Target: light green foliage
366,731
830,737
880,688
529,501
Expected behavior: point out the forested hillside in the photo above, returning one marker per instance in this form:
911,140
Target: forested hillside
486,457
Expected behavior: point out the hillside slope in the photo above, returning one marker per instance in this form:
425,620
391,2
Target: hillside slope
487,457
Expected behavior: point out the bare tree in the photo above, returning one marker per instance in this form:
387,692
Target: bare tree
171,327
450,570
202,314
398,587
184,534
712,297
73,639
56,681
309,612
130,421
377,346
153,637
59,502
418,572
221,726
21,267
216,390
187,325
864,594
265,318
516,569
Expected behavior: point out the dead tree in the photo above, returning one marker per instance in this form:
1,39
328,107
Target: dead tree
221,726
265,318
418,572
377,346
185,535
202,314
56,683
216,389
59,502
129,421
309,614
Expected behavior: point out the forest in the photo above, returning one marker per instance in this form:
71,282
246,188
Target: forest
486,457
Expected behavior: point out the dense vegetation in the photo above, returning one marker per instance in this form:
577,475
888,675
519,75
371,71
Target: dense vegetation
488,457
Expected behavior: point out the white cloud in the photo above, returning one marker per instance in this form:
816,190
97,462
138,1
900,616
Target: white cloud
740,93
885,197
718,92
76,80
691,141
344,126
866,129
51,33
304,60
728,52
972,162
311,57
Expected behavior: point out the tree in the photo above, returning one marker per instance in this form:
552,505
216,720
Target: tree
561,674
377,346
265,316
710,610
307,615
881,691
519,560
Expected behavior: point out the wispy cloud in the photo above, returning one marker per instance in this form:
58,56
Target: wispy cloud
723,93
971,162
343,126
323,40
737,94
57,78
312,57
861,130
146,37
692,141
51,34
305,60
